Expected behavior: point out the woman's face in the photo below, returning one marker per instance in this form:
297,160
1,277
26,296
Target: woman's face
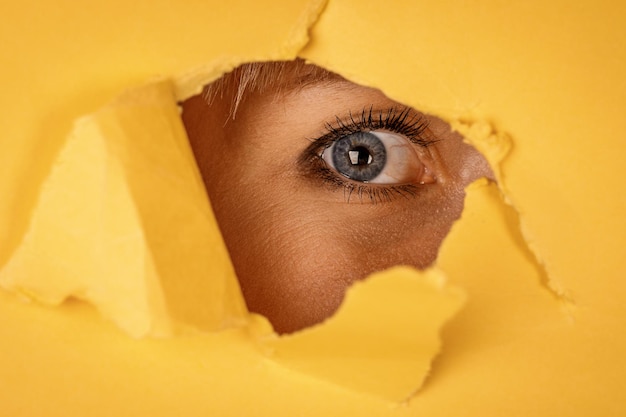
316,182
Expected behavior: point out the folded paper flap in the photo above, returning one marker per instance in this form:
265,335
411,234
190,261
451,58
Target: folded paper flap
124,222
383,338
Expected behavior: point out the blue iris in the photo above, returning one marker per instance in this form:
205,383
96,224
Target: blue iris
360,156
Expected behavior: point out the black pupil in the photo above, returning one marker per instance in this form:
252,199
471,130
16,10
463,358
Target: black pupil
360,156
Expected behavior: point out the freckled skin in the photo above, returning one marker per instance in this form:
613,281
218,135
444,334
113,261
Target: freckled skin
297,244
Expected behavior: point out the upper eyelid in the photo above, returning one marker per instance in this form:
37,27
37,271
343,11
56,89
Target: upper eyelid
402,120
397,119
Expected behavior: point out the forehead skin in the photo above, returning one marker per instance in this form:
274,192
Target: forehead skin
295,243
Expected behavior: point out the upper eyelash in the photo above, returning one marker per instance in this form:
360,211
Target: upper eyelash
402,121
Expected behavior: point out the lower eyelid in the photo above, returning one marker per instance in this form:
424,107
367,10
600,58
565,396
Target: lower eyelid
354,191
380,194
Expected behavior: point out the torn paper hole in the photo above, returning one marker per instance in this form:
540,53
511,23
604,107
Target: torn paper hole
316,182
146,176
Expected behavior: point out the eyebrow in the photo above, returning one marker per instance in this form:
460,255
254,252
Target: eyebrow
313,74
258,77
283,76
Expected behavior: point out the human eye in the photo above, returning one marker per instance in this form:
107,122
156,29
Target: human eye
376,154
375,157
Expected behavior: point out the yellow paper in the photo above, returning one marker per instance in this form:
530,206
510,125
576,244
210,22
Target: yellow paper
382,339
539,256
124,223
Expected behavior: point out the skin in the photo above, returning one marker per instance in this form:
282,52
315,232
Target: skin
296,241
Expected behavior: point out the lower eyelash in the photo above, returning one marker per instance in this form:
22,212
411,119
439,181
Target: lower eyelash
365,192
380,194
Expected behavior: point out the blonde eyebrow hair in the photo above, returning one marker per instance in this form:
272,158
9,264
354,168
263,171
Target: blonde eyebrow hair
257,77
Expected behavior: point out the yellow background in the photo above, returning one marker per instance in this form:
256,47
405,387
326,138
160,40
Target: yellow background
540,259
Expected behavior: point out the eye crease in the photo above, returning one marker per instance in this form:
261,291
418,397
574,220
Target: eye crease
317,182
